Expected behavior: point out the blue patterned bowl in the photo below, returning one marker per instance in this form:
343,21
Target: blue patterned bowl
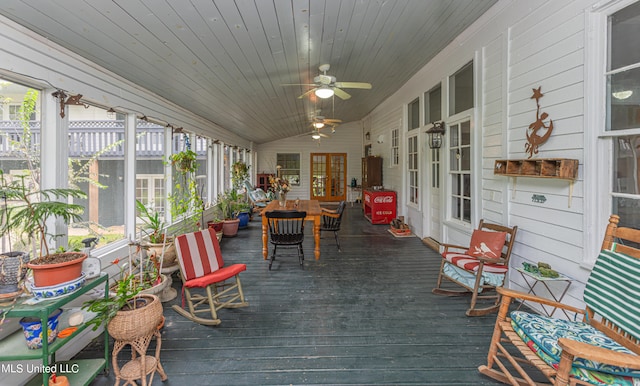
58,290
32,329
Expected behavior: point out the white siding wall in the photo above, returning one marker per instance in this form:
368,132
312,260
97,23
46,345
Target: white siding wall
346,139
518,46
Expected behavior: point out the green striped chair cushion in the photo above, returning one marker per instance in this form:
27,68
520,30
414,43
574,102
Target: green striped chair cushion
613,290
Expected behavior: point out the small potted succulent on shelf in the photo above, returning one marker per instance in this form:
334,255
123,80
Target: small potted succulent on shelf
28,213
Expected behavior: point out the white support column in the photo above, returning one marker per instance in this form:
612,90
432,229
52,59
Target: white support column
130,175
54,157
211,193
168,175
220,171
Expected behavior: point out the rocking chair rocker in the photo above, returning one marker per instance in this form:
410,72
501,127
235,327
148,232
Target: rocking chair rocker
202,266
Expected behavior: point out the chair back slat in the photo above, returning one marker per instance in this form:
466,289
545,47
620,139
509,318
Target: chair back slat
199,253
286,227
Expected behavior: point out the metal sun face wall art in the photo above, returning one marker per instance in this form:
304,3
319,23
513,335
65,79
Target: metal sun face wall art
534,136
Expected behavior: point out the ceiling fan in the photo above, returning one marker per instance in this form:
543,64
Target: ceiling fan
325,86
319,122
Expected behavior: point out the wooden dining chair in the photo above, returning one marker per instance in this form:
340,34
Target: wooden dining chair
331,220
286,229
202,267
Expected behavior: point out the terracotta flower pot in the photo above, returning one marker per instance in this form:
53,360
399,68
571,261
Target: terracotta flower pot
57,268
216,225
230,227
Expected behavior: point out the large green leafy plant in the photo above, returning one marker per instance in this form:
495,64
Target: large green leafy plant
29,210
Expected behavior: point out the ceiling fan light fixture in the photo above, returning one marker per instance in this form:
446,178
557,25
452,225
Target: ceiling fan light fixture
318,125
315,135
324,92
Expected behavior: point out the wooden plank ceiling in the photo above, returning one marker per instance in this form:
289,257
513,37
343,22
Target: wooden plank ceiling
227,60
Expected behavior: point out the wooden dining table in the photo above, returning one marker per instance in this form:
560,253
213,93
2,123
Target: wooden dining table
314,213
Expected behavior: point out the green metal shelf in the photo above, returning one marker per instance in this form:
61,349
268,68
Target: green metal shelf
14,346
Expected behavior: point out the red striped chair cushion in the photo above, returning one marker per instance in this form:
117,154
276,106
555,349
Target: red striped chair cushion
470,263
199,253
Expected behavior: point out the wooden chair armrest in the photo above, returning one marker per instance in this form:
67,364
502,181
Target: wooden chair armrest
325,210
334,215
453,246
490,260
513,294
599,354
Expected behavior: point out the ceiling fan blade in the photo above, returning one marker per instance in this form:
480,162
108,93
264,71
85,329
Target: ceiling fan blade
307,93
341,94
362,85
332,121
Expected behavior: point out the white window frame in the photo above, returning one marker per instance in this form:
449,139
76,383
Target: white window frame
395,147
598,169
413,169
456,121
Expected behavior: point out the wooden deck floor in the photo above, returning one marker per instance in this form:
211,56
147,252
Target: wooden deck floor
363,316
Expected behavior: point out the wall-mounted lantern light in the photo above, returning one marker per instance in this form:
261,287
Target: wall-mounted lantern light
435,135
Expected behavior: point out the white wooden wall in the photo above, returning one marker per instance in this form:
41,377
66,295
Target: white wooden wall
517,46
346,139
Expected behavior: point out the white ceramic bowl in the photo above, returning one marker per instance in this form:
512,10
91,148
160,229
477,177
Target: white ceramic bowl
58,290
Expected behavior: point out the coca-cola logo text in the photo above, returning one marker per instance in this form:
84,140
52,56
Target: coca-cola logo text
383,199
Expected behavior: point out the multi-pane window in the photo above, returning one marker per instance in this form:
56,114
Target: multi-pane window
433,105
395,147
623,113
414,114
289,166
460,170
435,168
461,90
413,169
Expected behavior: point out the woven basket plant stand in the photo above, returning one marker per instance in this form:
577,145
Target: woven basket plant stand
141,366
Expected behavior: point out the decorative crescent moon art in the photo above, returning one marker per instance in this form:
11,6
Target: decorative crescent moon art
534,136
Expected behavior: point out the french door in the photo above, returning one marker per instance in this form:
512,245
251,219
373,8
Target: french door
328,176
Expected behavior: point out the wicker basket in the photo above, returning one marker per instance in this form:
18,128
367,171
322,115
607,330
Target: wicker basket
128,325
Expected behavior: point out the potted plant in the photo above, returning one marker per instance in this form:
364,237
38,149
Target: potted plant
29,215
127,313
228,205
184,161
239,173
185,199
159,244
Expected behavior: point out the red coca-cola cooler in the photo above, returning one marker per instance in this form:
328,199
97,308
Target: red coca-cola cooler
379,206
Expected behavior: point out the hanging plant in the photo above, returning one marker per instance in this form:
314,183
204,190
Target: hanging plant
184,161
239,173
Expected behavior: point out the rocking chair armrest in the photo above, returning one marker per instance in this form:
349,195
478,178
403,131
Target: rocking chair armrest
499,260
326,211
513,294
599,354
447,246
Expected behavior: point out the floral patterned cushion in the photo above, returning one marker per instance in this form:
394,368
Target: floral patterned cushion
541,334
